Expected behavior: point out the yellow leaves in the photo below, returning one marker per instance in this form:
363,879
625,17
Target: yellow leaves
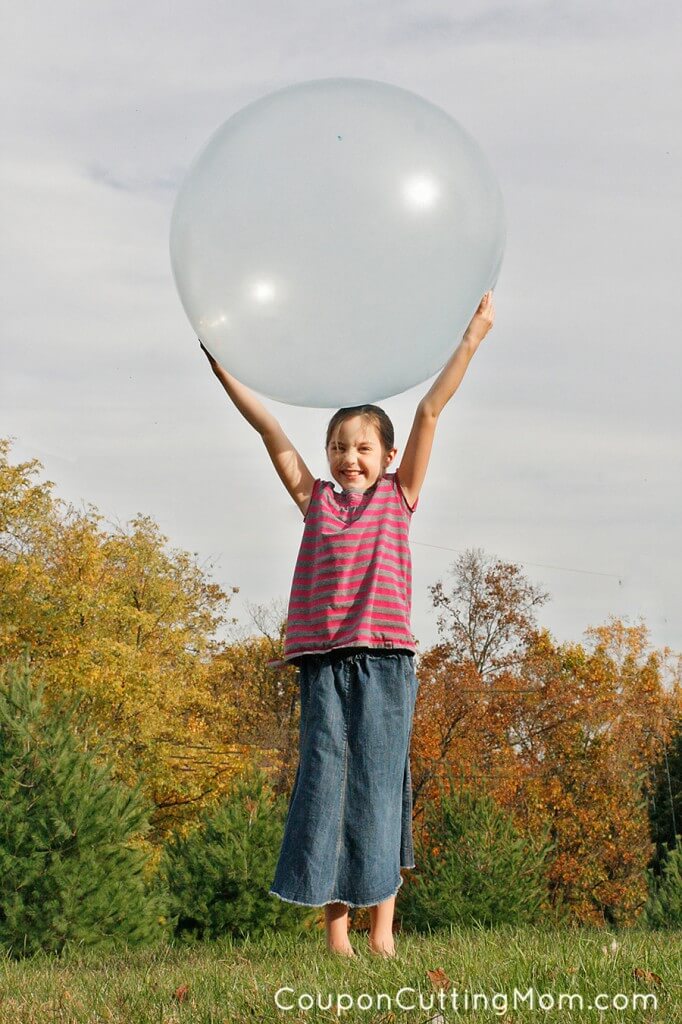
117,615
619,641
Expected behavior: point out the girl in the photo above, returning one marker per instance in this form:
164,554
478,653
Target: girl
349,823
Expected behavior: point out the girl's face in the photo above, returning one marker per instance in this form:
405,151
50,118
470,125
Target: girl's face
356,455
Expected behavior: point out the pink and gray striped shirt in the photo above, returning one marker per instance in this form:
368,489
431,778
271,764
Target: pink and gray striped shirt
352,584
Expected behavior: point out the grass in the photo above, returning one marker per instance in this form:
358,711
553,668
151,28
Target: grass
231,981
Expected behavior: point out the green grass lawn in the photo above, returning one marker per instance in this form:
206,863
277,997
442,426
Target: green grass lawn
239,981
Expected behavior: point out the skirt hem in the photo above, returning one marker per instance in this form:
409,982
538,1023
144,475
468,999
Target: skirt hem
349,903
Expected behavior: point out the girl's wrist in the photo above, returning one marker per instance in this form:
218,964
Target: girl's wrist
471,340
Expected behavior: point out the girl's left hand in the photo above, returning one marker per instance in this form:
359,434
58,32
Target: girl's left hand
482,320
212,361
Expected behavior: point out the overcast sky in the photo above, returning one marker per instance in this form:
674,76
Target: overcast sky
561,449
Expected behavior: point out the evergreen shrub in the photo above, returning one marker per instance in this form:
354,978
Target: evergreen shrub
473,866
67,871
217,878
664,906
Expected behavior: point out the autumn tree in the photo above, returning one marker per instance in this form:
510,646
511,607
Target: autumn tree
563,734
589,740
487,617
262,692
486,621
117,617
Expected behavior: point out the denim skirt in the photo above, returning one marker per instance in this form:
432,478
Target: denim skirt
348,829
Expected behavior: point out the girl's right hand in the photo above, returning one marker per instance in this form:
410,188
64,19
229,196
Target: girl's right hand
482,320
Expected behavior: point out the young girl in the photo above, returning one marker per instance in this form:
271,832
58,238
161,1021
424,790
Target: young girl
349,823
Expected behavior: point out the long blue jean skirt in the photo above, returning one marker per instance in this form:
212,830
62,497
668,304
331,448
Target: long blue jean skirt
349,824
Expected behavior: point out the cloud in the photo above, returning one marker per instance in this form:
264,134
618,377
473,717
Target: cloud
133,182
562,445
524,21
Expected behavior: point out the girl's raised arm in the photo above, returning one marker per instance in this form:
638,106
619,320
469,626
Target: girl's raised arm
290,467
415,460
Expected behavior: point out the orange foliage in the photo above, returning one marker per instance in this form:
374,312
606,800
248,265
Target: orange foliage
558,734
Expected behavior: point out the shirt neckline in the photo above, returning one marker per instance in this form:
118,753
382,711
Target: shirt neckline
356,497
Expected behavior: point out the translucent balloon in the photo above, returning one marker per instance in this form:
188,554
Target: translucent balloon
333,239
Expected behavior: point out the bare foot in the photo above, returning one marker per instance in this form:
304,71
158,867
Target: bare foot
346,950
383,947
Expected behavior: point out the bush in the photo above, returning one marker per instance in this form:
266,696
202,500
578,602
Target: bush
474,867
67,873
217,878
664,906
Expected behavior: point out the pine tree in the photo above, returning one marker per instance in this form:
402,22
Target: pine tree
664,907
219,875
69,869
665,800
473,865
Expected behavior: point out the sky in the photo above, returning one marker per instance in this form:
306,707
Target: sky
559,452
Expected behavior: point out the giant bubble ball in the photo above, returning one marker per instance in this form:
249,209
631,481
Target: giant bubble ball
332,240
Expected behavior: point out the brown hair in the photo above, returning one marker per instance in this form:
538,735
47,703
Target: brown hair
376,416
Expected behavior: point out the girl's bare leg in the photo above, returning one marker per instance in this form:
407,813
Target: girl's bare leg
336,920
381,927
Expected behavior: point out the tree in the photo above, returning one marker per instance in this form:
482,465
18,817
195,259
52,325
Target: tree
486,622
488,617
664,906
563,734
70,858
218,876
262,693
664,790
475,867
116,616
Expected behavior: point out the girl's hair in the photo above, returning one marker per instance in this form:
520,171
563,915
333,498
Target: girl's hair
373,413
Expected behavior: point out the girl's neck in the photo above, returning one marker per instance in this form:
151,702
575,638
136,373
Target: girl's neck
348,490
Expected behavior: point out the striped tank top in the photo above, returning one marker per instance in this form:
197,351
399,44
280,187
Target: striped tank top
352,584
